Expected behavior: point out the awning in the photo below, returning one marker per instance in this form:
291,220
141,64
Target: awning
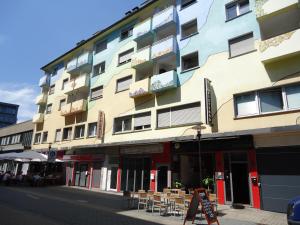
25,156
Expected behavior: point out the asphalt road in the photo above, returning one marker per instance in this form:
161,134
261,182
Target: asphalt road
65,206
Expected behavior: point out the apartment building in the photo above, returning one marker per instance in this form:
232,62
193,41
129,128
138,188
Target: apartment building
123,107
8,114
17,137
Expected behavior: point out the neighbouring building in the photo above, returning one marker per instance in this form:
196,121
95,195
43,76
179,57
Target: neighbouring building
121,108
8,114
16,138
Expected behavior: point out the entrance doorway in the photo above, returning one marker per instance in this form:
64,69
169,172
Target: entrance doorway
162,178
81,175
236,173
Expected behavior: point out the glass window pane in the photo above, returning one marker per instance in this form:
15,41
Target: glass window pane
244,7
293,96
246,105
271,101
231,11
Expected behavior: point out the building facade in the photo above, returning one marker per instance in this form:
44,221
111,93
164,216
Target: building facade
8,114
16,138
123,107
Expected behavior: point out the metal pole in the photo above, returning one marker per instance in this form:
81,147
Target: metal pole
199,152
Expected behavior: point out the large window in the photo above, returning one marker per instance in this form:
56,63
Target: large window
92,130
49,109
126,33
125,57
64,83
52,89
16,139
123,83
267,101
123,124
45,137
241,45
79,131
190,61
179,115
99,69
37,138
62,103
186,3
67,133
97,93
100,46
237,8
136,122
57,135
189,29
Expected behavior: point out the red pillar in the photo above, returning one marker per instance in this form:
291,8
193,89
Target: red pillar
220,182
119,175
253,175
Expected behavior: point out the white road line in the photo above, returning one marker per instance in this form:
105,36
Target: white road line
32,196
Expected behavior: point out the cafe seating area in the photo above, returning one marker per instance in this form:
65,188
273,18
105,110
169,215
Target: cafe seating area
169,202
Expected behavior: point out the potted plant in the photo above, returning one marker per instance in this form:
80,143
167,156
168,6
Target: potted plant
208,183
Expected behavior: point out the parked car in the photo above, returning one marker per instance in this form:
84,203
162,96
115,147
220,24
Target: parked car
293,211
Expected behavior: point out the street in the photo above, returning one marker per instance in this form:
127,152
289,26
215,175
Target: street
64,206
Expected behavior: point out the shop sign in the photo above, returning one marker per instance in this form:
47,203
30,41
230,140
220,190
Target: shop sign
100,125
142,149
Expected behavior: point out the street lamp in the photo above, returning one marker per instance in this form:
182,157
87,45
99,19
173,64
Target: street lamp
198,129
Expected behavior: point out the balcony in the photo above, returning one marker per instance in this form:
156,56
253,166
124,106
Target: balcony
164,18
164,47
38,118
139,88
74,107
83,63
268,7
41,99
44,81
78,84
142,29
280,47
141,57
164,81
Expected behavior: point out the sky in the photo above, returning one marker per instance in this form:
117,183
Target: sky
34,32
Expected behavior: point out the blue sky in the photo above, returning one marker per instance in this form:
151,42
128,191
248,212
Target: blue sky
34,32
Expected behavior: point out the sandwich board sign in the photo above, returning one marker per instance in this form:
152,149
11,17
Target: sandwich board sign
200,197
51,156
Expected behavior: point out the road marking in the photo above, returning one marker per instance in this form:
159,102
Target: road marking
32,196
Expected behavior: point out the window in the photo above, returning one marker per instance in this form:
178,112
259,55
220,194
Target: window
126,33
79,131
123,124
37,138
246,104
293,96
49,109
52,89
100,46
3,141
125,57
97,93
67,134
241,45
267,101
123,83
62,103
92,130
179,115
16,139
57,135
189,29
142,121
186,3
99,69
236,9
45,137
64,84
190,61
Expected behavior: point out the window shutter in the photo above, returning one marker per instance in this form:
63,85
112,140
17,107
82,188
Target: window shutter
142,119
123,84
100,124
163,118
185,114
241,45
125,56
97,92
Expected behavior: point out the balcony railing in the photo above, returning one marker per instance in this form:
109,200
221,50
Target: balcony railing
78,84
139,88
83,63
141,57
41,99
44,81
164,47
164,17
142,29
268,7
74,107
281,46
164,81
38,118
